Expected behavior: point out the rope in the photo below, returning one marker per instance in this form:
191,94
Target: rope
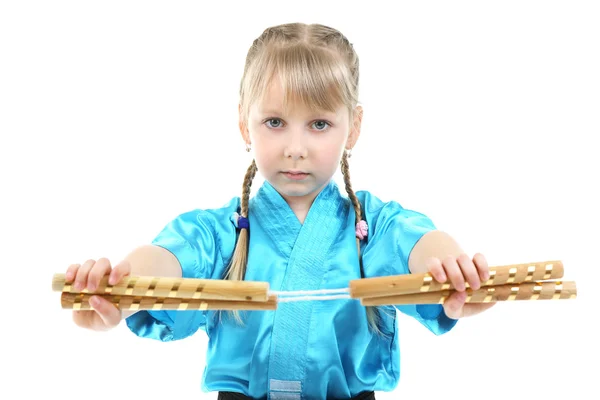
310,295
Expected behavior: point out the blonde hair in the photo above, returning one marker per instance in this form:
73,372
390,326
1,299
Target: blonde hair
316,66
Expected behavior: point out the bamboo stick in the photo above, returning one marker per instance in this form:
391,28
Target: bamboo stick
189,288
552,290
80,301
419,283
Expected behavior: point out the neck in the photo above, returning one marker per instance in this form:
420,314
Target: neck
300,205
300,210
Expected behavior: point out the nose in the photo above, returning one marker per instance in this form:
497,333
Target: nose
296,148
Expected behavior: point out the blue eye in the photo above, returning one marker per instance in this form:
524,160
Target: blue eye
273,119
323,122
319,125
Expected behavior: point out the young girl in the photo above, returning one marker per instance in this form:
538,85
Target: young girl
298,112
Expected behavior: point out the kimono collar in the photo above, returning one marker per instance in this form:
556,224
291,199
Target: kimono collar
328,211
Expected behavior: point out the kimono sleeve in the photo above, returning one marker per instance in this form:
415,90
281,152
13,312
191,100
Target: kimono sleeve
191,238
395,232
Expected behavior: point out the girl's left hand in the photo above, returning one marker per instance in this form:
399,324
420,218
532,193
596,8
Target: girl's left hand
458,270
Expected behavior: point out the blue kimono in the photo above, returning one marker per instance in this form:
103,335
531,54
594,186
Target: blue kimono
304,349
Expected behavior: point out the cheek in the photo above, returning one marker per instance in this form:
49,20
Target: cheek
264,155
329,155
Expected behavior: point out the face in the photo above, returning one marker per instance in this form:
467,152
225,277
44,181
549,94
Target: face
298,153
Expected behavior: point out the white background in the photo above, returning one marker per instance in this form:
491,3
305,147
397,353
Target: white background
117,116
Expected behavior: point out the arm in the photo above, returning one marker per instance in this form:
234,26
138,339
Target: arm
438,253
400,242
144,260
436,244
185,248
150,260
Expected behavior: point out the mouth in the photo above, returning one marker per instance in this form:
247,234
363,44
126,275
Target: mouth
295,175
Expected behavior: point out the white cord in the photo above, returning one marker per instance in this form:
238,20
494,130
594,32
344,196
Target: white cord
307,295
308,298
309,292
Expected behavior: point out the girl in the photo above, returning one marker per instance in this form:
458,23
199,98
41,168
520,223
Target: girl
298,111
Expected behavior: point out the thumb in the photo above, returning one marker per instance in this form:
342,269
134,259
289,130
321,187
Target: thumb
454,304
109,315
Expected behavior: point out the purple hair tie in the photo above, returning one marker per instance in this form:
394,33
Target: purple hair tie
362,230
239,221
243,223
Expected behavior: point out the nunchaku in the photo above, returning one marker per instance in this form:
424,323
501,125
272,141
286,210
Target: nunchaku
528,281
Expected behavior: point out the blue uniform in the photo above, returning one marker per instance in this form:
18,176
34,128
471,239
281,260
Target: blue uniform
305,349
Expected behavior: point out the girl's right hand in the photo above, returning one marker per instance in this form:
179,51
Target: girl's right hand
104,315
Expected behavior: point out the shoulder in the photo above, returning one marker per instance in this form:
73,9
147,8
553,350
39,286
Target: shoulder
393,232
200,238
211,217
201,225
221,218
384,215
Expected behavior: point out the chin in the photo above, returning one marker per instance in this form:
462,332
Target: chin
296,193
291,189
292,192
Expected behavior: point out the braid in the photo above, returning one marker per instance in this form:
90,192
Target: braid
250,173
372,314
351,195
353,199
237,268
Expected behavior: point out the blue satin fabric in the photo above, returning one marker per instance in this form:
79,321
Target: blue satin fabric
307,349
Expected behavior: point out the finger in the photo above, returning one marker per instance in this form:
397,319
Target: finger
119,271
434,266
71,272
454,273
482,266
454,304
469,271
101,267
109,314
82,274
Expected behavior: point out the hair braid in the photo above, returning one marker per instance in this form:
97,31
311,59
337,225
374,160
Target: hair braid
372,314
237,268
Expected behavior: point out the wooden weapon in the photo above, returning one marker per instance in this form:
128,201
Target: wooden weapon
528,281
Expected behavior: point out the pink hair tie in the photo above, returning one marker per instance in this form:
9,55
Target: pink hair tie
362,230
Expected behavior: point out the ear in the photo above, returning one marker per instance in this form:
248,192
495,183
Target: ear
243,126
355,128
